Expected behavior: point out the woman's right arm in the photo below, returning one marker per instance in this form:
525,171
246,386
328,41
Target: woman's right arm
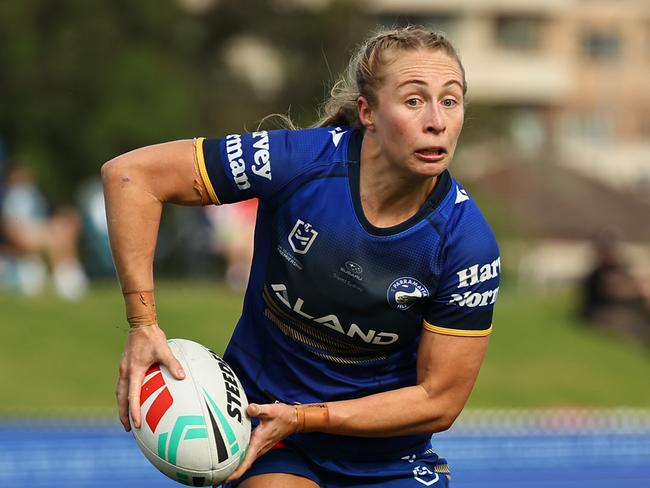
136,185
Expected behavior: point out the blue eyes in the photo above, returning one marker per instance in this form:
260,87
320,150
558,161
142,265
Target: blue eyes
449,102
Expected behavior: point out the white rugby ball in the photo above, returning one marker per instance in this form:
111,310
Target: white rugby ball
195,430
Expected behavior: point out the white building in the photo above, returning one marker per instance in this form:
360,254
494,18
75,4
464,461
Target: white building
576,73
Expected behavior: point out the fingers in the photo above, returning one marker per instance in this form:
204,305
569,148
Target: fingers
251,451
273,427
135,385
251,455
255,446
145,346
253,410
173,365
121,392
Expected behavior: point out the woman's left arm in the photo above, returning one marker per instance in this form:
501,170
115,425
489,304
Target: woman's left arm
447,369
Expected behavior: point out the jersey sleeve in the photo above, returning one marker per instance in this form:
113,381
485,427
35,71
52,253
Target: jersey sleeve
469,282
258,164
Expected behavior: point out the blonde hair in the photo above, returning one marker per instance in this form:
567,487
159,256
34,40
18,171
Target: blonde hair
363,74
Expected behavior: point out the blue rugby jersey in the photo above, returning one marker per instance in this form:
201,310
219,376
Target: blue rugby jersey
335,306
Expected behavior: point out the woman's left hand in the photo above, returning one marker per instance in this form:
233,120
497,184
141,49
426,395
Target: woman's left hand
277,421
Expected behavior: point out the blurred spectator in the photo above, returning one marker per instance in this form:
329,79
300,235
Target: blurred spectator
3,163
184,247
234,229
613,298
94,244
30,234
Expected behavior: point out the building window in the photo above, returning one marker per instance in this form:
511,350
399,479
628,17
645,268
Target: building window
601,45
594,127
518,32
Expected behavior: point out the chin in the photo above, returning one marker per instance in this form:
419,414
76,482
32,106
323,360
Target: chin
431,170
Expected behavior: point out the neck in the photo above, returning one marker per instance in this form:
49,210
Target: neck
389,195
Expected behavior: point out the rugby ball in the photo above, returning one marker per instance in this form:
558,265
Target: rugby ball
195,430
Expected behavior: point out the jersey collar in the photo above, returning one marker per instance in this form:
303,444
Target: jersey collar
431,204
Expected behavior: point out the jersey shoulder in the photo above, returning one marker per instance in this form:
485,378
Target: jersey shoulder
259,164
466,226
470,268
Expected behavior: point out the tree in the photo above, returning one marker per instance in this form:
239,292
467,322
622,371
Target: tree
85,80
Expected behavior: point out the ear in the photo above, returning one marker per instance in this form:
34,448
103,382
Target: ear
365,113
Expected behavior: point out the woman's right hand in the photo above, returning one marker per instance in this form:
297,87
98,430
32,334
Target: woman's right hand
144,346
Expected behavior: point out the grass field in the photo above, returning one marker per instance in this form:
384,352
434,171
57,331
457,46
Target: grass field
58,357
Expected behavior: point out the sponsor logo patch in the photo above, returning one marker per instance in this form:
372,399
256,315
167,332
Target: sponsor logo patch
474,299
461,195
286,254
350,274
473,277
410,458
353,268
236,161
262,157
404,292
337,133
478,273
331,321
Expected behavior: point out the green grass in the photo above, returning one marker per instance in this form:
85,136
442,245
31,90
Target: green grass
56,356
540,356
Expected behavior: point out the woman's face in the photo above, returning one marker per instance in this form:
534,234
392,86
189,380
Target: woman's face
418,111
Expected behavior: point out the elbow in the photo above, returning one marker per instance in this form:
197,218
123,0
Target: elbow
121,171
441,422
121,179
109,171
444,409
446,420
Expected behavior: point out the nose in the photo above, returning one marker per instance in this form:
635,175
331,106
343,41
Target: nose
435,120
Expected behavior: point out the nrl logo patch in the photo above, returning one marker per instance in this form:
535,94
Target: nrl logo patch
404,292
424,475
302,237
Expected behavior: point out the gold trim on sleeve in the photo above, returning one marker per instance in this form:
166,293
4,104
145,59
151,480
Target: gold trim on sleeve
456,332
198,150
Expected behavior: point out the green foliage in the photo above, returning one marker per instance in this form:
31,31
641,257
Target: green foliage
58,357
89,80
85,80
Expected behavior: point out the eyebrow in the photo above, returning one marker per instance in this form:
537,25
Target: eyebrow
454,82
422,83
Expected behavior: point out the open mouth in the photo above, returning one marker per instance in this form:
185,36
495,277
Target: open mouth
431,153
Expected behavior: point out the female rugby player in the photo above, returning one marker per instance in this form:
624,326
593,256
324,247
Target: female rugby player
370,299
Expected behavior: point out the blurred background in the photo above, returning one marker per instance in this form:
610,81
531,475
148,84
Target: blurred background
555,150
